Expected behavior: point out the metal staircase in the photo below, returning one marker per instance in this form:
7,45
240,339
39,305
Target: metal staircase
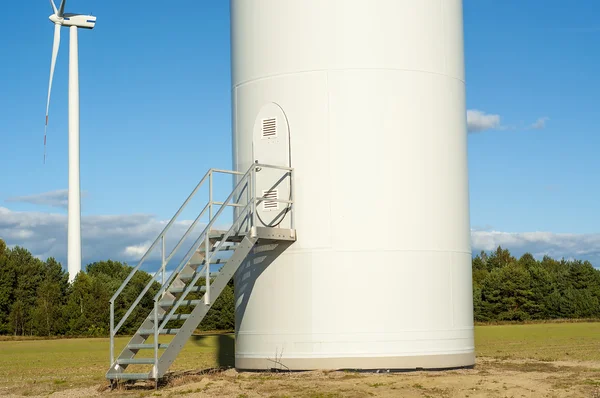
200,272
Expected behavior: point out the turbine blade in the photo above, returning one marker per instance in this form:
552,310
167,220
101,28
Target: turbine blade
45,129
53,6
55,48
61,9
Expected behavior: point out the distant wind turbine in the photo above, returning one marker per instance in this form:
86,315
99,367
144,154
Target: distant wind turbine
73,21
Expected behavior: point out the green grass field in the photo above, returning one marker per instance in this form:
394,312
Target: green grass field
544,341
33,367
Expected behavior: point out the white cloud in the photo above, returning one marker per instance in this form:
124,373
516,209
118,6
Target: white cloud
58,198
557,245
137,251
478,121
127,237
123,238
540,123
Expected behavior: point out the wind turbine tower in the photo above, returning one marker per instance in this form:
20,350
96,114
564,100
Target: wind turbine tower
73,22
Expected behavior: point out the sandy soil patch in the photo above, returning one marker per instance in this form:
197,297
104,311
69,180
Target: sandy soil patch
490,378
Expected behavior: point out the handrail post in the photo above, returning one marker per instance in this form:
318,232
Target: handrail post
210,195
112,334
253,195
164,264
248,188
293,199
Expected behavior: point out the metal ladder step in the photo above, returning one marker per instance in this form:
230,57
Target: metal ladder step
148,332
218,235
195,289
198,262
147,346
225,248
175,317
136,361
170,303
231,239
128,376
187,277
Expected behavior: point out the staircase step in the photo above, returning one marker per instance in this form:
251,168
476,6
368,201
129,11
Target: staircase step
128,376
218,236
235,238
147,346
136,361
194,289
176,317
197,262
171,303
187,277
225,248
216,233
148,332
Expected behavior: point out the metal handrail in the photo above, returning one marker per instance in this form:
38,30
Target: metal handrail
206,268
245,211
149,284
192,249
168,226
164,231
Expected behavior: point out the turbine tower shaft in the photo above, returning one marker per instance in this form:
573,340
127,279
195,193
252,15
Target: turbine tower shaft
74,206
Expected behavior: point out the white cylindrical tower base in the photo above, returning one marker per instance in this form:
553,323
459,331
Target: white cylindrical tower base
370,95
74,205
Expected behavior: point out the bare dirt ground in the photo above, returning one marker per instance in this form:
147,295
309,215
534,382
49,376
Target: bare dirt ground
490,378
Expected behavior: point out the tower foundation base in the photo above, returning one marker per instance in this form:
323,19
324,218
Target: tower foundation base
392,364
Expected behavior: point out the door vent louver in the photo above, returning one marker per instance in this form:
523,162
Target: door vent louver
270,205
269,128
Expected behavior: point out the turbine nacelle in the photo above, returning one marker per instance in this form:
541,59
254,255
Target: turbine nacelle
79,20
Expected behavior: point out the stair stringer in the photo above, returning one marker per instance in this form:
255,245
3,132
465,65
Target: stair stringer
200,311
148,323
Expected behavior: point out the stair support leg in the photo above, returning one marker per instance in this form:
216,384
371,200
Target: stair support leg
207,259
155,368
112,333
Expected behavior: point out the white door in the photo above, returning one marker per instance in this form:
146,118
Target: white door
271,146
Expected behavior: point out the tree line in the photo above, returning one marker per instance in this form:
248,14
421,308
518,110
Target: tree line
509,289
36,298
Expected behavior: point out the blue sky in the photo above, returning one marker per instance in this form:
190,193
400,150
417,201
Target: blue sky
155,115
